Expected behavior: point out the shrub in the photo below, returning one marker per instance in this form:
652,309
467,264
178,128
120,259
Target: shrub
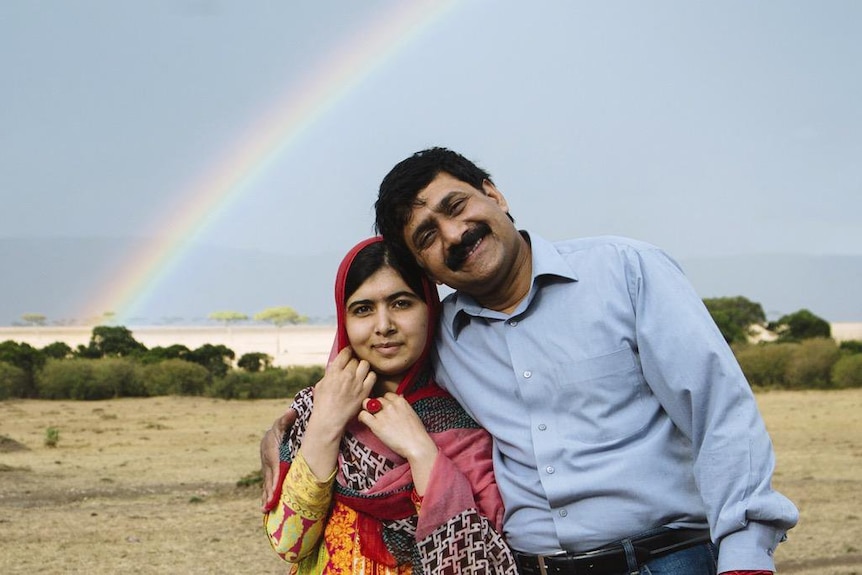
122,375
25,357
851,345
13,381
175,377
765,364
58,350
52,437
800,325
254,362
215,358
65,379
301,376
269,384
811,365
847,371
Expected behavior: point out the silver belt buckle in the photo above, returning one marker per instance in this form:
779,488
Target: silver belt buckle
542,569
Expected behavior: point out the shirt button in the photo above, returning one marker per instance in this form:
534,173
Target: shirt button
513,322
528,374
563,512
542,427
549,469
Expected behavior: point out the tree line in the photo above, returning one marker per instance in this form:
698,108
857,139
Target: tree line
115,364
796,351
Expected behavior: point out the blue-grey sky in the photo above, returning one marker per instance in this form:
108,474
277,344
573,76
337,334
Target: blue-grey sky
708,128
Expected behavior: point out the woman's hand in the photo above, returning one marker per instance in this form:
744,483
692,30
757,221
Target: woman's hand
337,399
338,396
398,426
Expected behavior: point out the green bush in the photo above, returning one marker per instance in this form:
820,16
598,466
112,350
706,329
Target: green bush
52,437
90,379
123,376
811,365
269,384
301,376
254,362
851,345
175,377
765,364
25,357
13,381
847,371
65,379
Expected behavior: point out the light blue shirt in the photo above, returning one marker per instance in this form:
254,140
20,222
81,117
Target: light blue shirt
616,406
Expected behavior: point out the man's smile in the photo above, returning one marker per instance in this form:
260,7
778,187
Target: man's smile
470,241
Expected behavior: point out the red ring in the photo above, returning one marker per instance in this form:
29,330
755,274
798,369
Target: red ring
373,405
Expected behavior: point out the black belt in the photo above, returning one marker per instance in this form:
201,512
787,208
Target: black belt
612,559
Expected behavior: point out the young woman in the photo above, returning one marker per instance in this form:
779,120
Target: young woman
383,472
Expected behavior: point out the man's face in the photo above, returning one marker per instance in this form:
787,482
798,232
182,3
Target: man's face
462,236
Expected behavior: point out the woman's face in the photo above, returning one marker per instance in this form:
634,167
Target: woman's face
387,324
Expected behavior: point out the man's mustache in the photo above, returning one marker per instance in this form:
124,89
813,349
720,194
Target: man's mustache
459,252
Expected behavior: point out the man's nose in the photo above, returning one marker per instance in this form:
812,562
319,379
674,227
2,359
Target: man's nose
451,232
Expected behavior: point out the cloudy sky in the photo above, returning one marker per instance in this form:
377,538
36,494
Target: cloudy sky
708,128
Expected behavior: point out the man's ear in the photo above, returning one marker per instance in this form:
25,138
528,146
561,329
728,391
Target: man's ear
492,192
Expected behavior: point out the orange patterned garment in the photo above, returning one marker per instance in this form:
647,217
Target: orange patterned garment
452,529
297,523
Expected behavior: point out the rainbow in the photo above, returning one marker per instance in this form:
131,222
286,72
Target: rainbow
346,68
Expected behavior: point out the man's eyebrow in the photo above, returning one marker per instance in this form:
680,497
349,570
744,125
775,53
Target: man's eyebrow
445,205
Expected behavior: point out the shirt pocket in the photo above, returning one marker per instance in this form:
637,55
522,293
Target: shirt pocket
603,397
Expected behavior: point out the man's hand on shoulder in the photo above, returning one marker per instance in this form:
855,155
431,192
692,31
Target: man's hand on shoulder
269,446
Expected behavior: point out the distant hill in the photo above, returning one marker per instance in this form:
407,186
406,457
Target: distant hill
56,276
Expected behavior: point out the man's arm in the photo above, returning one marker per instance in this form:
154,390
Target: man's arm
269,446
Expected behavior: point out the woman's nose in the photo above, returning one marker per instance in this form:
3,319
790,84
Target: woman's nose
384,322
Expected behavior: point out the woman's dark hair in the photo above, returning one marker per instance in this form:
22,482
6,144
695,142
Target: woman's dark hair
376,256
402,184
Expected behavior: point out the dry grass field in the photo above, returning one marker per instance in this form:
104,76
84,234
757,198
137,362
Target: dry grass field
149,485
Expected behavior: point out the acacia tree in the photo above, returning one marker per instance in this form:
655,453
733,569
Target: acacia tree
279,317
228,317
33,318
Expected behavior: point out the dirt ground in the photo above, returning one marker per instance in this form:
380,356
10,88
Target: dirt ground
149,485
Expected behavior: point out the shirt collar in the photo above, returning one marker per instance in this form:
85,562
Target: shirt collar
547,264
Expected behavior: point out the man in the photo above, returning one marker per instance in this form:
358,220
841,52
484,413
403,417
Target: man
625,433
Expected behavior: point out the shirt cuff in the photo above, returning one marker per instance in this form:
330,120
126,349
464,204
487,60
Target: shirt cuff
749,549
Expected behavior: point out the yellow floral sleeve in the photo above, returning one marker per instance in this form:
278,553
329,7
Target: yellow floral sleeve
295,526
